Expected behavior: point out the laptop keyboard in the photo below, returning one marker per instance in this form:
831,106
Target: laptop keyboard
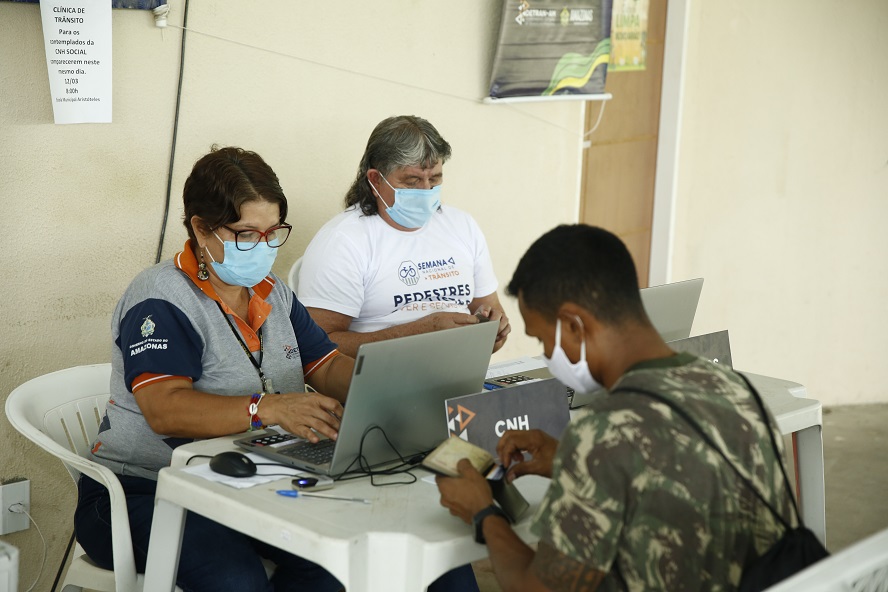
292,446
510,380
518,378
272,440
318,453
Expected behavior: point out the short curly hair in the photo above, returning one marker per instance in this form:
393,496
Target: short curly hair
222,181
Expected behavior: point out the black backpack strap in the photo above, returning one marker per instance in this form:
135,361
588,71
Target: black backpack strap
687,418
761,406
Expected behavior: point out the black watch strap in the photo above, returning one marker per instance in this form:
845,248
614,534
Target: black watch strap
478,521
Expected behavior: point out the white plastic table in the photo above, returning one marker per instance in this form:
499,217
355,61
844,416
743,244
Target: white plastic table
402,541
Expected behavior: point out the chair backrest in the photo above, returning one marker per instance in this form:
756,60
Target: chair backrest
67,406
61,413
861,567
293,276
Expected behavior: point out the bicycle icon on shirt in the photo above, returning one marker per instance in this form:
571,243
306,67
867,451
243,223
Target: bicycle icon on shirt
407,273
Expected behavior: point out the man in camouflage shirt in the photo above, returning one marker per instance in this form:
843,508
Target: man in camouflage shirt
638,501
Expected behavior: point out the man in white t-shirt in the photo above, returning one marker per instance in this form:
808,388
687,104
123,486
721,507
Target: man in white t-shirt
396,262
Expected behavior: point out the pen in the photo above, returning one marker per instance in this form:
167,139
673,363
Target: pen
294,493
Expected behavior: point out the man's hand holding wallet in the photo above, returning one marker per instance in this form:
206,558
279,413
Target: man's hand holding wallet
470,479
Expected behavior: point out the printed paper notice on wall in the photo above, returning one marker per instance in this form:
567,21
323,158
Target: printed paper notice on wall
629,35
77,37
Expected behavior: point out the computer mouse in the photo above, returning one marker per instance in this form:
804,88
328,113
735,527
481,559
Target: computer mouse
233,464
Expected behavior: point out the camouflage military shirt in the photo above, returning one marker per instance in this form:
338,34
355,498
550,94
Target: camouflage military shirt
637,494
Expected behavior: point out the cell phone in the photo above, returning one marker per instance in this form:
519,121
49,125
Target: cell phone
311,483
481,317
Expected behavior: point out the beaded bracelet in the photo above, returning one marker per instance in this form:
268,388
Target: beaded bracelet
253,410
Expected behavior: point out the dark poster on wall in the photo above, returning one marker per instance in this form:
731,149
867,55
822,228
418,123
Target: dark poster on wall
551,48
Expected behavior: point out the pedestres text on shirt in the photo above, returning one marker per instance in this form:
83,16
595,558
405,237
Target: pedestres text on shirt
460,294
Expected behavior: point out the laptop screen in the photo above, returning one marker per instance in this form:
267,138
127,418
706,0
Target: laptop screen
394,401
712,346
671,307
401,384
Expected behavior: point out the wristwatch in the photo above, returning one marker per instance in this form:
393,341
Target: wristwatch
478,521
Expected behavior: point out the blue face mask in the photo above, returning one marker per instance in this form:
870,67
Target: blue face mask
244,268
413,208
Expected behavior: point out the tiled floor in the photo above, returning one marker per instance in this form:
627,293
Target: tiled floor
855,450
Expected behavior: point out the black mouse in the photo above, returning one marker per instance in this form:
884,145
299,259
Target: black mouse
233,464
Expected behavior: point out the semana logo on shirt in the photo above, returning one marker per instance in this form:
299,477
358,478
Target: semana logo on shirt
437,294
407,273
434,269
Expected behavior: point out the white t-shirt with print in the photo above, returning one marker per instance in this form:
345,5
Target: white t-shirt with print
380,276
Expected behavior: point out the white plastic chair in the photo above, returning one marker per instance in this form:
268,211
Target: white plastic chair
293,276
61,412
862,567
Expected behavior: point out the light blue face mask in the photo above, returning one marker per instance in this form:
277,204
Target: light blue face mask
413,208
244,268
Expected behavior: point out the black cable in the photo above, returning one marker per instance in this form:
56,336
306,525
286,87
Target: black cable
402,468
62,564
166,209
364,470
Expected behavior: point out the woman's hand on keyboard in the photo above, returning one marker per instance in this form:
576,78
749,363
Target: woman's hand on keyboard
303,414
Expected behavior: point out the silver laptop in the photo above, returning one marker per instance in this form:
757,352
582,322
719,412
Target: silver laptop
712,346
394,401
671,309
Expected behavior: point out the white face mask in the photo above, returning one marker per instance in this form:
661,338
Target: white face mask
576,376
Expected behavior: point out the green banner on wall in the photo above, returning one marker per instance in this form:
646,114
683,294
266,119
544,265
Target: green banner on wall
552,48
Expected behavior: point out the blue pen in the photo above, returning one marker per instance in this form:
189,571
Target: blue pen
294,493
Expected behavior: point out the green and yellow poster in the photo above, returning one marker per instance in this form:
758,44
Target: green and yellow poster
629,35
549,48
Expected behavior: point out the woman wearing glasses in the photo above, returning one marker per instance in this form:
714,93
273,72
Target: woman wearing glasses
207,344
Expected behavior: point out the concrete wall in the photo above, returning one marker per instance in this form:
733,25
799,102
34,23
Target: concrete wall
783,189
86,201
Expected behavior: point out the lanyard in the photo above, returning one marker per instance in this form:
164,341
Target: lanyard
266,383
